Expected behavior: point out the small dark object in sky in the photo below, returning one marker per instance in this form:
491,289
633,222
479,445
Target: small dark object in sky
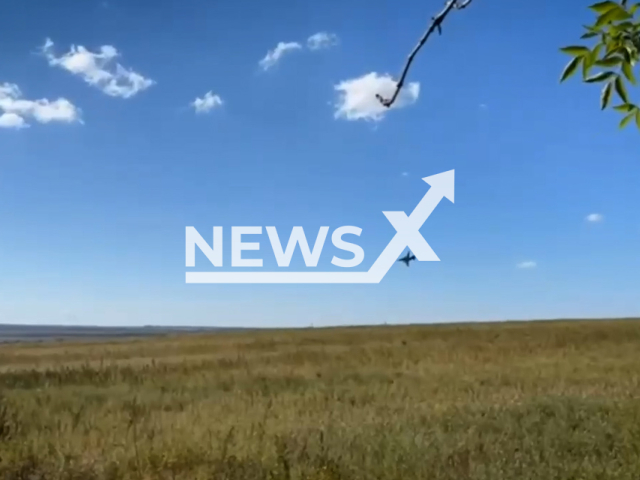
407,258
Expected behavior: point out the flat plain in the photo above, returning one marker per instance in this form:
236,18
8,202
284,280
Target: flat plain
520,400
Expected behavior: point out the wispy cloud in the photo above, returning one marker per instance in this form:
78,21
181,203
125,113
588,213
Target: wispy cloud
99,70
206,103
527,264
317,41
16,110
321,40
357,97
594,217
274,56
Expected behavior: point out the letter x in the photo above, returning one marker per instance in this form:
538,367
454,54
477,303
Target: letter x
408,232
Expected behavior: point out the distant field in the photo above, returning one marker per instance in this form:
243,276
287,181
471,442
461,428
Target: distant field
52,333
534,401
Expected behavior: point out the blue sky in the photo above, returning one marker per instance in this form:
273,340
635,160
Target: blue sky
96,192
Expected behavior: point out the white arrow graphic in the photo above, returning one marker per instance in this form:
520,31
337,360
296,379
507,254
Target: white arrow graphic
407,235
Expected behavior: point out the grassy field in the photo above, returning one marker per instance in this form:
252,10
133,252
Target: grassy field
545,400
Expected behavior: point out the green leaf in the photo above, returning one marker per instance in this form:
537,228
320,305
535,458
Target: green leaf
576,50
589,35
611,46
621,90
623,27
603,7
627,69
571,68
595,53
605,96
613,15
590,59
625,108
591,28
626,55
619,14
627,119
608,62
600,77
638,117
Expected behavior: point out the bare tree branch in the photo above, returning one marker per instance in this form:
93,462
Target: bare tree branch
436,24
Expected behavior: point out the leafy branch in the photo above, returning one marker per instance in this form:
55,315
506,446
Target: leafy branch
618,48
436,24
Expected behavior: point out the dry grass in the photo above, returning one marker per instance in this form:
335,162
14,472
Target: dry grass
546,400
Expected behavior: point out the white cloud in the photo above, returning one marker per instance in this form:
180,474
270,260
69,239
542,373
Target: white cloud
273,56
322,40
206,103
16,109
527,264
595,217
405,174
98,69
12,120
357,97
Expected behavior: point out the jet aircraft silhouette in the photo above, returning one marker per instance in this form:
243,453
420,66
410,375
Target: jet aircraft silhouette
407,258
